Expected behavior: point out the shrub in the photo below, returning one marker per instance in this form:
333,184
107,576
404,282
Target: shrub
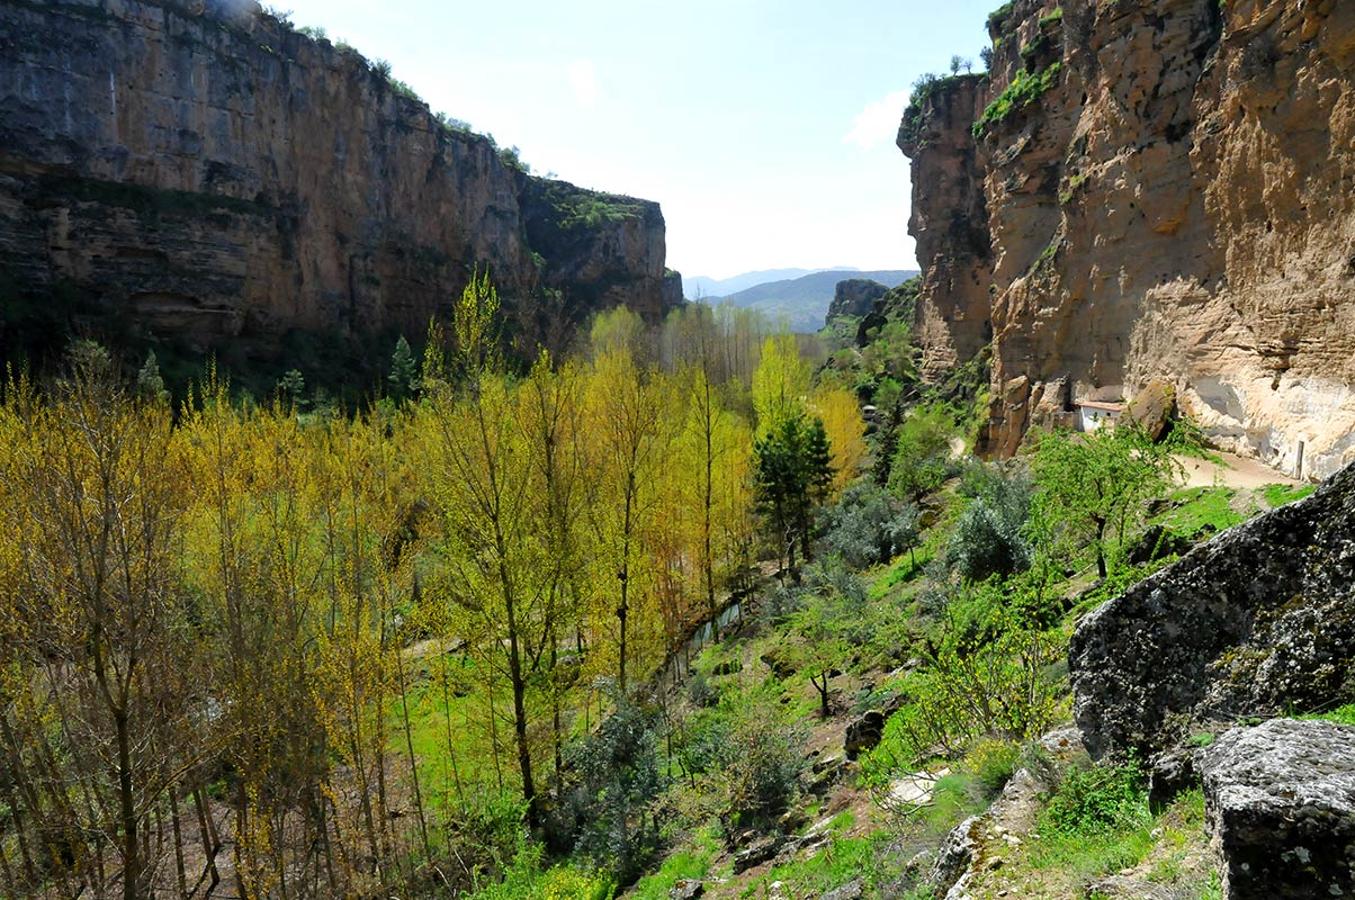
764,766
997,17
867,526
992,763
526,879
922,452
607,810
1097,800
985,673
989,538
1025,89
704,744
700,691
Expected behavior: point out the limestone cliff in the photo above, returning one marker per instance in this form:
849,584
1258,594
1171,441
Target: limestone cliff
1145,189
200,173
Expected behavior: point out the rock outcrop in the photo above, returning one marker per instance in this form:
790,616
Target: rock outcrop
1280,803
855,297
198,172
864,734
1259,620
949,220
1150,189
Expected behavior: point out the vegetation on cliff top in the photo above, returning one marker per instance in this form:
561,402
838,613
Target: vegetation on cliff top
927,87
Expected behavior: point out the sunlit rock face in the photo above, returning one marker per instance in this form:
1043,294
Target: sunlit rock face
1177,200
203,172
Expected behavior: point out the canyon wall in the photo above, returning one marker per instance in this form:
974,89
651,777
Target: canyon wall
1149,190
198,172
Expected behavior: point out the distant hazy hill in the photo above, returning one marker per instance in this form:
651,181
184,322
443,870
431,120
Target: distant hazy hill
804,301
699,287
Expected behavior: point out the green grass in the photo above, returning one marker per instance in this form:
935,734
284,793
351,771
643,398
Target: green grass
693,861
1181,827
1281,494
1096,822
841,861
1201,508
1342,715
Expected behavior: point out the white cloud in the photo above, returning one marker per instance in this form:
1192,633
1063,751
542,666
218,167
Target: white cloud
583,81
878,123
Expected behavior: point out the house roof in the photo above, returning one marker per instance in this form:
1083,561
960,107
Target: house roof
1097,404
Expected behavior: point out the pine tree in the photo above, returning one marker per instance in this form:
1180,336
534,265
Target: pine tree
793,475
404,373
292,385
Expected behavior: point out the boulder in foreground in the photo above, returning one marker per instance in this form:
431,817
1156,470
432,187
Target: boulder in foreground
1258,621
1280,800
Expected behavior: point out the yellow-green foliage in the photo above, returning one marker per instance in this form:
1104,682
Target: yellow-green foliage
363,634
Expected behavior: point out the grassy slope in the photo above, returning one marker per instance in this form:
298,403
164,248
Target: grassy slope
1163,850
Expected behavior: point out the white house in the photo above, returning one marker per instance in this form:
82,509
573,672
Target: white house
1094,414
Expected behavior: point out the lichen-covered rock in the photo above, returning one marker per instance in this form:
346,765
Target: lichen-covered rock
687,889
852,890
1280,803
1158,189
759,851
955,858
1256,621
202,173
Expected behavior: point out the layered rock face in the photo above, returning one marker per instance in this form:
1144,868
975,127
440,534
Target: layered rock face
1258,621
200,172
1168,191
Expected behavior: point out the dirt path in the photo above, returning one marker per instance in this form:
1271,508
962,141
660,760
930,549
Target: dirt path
1235,472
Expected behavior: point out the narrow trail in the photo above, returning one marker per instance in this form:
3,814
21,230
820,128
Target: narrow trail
1234,472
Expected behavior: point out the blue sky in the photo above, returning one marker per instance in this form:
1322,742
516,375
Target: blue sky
765,128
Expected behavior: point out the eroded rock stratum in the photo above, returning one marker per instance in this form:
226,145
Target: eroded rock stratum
198,170
1148,189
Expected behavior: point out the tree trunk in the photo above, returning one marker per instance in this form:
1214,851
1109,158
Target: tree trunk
413,761
1101,547
131,859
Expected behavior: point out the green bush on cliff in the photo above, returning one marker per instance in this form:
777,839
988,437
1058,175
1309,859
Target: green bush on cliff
585,210
1024,90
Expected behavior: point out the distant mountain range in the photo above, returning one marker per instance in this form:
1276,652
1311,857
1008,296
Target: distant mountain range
802,301
700,287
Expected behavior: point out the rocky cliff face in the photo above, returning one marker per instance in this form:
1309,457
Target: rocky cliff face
1145,189
950,222
855,297
201,173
